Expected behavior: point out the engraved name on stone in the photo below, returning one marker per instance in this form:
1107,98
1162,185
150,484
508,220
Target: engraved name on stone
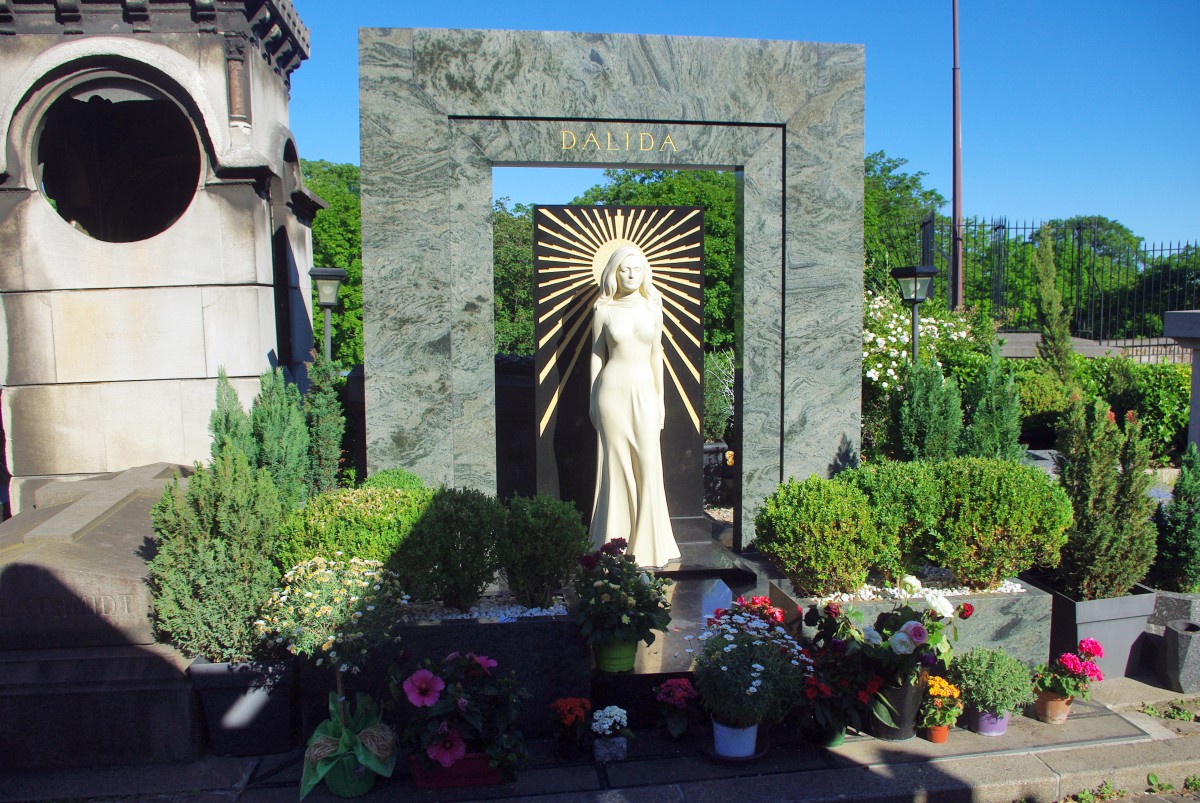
65,607
626,140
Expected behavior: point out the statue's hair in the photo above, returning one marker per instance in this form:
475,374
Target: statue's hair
608,277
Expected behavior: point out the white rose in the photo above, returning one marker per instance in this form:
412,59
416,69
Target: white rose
871,635
902,644
910,585
939,604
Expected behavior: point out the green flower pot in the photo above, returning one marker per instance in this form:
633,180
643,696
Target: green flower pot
616,657
349,778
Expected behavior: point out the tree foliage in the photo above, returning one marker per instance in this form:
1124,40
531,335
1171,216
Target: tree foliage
212,569
325,423
512,263
337,243
1054,322
280,437
893,203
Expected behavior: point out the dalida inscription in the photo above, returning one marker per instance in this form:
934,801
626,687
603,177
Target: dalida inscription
623,140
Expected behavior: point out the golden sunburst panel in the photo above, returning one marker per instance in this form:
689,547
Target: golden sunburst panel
573,245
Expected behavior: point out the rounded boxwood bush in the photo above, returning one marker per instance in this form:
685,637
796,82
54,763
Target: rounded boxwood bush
905,504
366,523
398,478
539,553
453,553
998,518
820,534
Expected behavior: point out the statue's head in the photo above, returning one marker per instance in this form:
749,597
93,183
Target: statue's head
627,264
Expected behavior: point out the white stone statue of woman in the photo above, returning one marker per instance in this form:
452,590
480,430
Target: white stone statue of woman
628,411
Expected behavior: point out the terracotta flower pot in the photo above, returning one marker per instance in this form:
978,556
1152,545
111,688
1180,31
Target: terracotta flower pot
938,734
1052,708
470,770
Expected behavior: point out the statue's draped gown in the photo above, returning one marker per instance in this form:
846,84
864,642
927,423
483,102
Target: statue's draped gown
631,500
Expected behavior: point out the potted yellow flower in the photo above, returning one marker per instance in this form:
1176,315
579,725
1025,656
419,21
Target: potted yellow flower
942,706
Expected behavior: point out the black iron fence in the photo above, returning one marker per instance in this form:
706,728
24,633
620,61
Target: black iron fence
1116,287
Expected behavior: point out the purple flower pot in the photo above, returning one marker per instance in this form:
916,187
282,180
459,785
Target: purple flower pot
985,723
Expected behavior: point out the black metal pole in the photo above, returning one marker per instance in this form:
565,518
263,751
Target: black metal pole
328,334
956,244
916,328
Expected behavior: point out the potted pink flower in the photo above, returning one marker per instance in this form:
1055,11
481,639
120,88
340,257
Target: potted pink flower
1071,675
461,719
675,708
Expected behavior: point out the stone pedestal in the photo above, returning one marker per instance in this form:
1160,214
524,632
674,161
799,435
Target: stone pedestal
81,681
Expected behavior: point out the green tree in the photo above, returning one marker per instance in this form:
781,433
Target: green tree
326,425
337,243
1054,322
893,204
229,422
1111,544
281,437
212,568
512,265
929,414
1178,564
716,191
993,413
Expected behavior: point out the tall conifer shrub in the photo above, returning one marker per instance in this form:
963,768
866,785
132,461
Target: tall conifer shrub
1111,544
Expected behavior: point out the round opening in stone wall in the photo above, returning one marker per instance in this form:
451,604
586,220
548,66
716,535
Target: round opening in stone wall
119,160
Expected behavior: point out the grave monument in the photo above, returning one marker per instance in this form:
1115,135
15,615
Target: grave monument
154,225
440,108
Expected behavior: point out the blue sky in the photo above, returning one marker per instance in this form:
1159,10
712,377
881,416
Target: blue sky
1069,107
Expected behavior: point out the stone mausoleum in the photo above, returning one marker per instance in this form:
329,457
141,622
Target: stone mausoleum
154,226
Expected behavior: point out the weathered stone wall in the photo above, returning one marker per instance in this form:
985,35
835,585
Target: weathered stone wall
439,108
109,350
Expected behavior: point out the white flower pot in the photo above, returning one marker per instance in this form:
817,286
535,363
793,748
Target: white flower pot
734,742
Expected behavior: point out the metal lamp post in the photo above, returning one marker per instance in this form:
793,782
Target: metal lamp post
916,285
328,281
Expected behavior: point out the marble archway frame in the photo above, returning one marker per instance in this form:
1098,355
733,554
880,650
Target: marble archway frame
440,108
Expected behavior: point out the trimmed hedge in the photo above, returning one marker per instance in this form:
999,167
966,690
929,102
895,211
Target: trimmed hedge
820,534
367,523
998,518
905,505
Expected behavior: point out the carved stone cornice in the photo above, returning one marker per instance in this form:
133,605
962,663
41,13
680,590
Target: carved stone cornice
272,27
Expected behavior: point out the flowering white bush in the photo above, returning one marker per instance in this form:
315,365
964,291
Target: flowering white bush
887,332
749,666
333,610
610,721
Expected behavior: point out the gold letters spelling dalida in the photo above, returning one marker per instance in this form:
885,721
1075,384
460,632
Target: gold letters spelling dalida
616,141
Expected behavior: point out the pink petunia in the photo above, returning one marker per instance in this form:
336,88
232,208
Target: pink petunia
485,663
448,749
1090,648
423,688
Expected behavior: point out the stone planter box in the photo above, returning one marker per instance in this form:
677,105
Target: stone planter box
547,654
248,708
1020,623
1118,623
1172,605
